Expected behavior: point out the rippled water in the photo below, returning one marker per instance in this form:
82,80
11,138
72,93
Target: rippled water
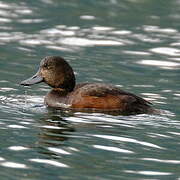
133,44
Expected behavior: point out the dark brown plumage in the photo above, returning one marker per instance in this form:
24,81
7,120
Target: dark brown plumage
57,73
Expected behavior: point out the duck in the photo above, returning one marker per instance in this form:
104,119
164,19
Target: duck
66,94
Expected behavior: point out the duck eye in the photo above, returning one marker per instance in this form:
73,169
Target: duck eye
45,65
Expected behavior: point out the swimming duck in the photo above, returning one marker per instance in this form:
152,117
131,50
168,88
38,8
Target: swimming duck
58,74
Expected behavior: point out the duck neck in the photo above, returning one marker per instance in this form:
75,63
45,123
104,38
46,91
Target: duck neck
68,85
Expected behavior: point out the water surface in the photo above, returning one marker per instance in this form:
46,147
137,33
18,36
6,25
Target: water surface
132,44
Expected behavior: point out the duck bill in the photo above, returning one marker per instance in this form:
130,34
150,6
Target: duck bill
37,78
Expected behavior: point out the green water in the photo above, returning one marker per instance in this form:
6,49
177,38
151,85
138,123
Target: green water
133,44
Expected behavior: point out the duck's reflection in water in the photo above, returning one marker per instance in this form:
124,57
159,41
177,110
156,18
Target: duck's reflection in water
58,129
54,129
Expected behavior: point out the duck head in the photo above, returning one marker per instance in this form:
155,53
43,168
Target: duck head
55,72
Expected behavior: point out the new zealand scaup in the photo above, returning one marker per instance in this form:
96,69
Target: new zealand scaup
58,74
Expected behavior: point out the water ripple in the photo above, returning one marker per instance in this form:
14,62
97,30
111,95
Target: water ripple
166,51
59,151
150,173
14,165
113,149
162,161
161,64
50,162
125,139
17,148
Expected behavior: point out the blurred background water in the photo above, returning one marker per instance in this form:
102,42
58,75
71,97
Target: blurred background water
133,44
